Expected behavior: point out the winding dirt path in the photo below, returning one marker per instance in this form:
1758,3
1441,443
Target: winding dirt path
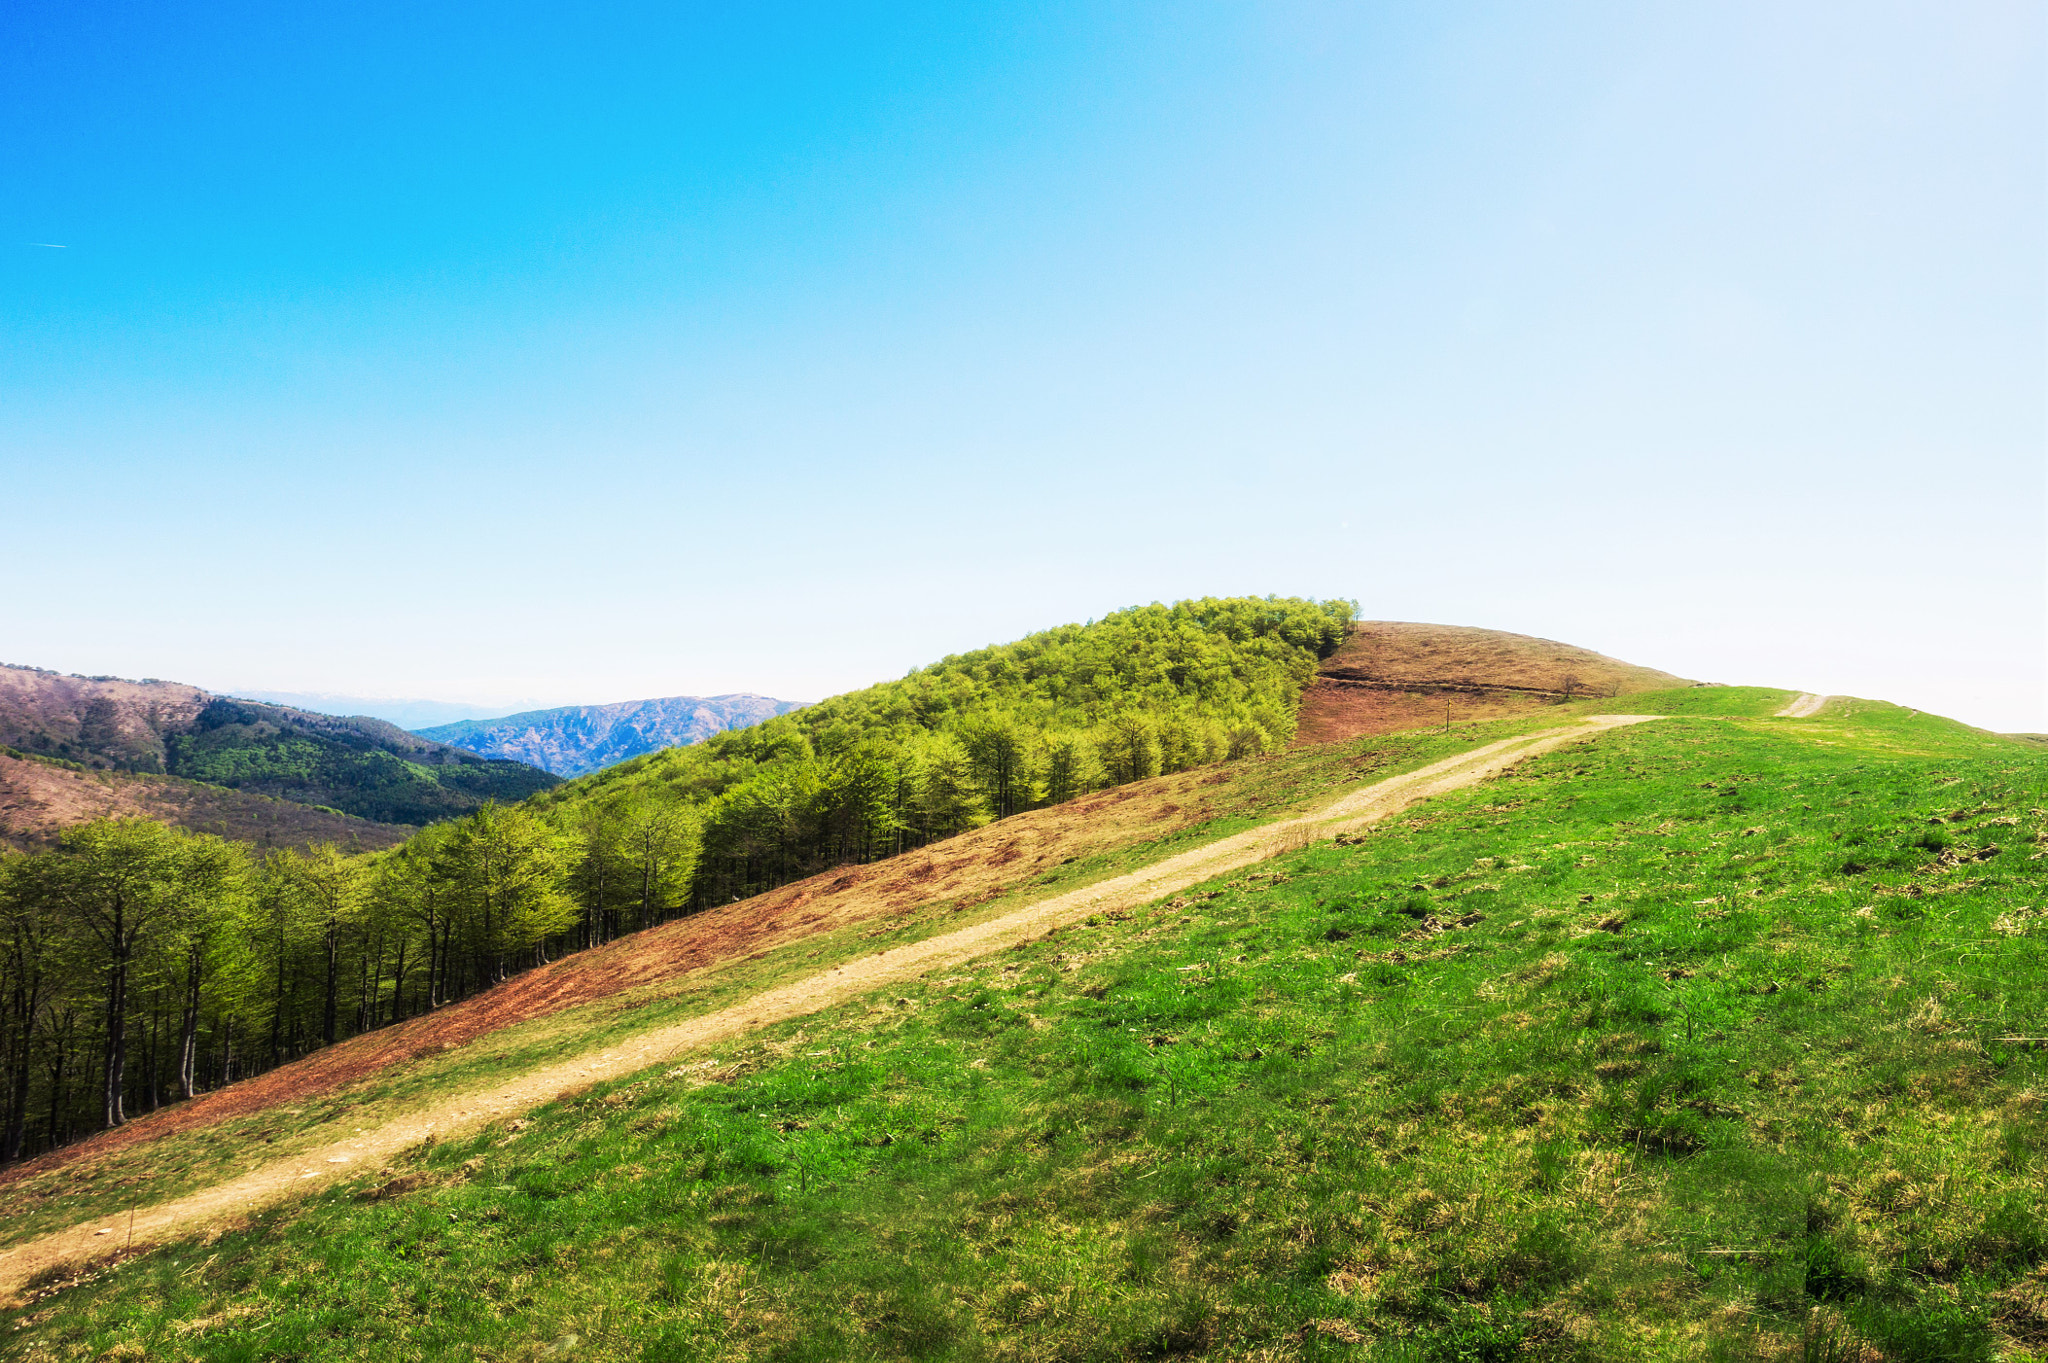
286,1178
1805,706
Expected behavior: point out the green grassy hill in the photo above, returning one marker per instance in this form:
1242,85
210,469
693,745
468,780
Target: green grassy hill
1717,1037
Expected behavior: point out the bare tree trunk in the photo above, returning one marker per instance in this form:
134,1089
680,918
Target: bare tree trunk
333,961
398,983
57,1071
277,1009
117,1036
17,1110
188,1044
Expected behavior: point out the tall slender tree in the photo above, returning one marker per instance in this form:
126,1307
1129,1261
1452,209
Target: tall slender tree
206,887
115,878
31,961
336,890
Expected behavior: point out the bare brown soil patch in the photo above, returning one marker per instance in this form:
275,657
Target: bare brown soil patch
1392,675
39,800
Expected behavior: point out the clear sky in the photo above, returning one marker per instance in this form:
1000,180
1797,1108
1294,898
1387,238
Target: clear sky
512,353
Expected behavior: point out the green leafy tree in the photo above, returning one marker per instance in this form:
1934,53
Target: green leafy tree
599,876
507,867
1068,764
336,891
864,810
281,931
659,841
998,752
114,879
948,797
416,889
32,961
1129,747
207,886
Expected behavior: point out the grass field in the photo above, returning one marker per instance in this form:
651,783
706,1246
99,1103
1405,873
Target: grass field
81,1182
1718,1038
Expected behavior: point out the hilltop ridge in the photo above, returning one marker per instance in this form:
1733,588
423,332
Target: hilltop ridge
1391,675
355,765
103,722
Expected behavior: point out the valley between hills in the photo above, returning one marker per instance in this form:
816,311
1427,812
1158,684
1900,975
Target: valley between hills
1236,979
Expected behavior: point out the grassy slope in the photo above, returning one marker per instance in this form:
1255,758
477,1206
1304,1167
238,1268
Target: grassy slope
1682,1084
78,1183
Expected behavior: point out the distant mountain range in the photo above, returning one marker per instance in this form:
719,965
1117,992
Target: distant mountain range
574,739
351,764
406,712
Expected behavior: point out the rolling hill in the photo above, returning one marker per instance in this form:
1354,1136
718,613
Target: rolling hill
1657,1026
358,766
578,739
361,766
108,723
42,796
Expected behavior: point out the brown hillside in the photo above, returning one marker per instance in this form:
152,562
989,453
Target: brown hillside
1392,675
38,800
100,721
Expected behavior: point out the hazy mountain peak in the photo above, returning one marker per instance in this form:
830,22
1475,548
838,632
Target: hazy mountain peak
571,740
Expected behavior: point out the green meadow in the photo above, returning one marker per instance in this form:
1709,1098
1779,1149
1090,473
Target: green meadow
1720,1037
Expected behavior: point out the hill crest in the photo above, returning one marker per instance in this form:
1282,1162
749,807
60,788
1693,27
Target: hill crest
355,765
1391,675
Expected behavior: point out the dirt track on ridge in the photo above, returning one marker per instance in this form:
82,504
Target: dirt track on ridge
1805,706
279,1181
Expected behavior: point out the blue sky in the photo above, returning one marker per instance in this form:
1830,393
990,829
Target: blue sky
509,354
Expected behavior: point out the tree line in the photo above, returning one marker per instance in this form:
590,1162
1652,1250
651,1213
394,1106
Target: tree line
140,965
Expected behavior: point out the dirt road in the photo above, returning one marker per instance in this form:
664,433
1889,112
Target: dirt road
1805,706
279,1181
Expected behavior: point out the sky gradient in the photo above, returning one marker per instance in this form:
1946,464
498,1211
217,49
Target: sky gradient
510,355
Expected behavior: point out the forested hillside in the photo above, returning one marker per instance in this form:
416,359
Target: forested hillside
139,963
358,765
575,740
976,737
